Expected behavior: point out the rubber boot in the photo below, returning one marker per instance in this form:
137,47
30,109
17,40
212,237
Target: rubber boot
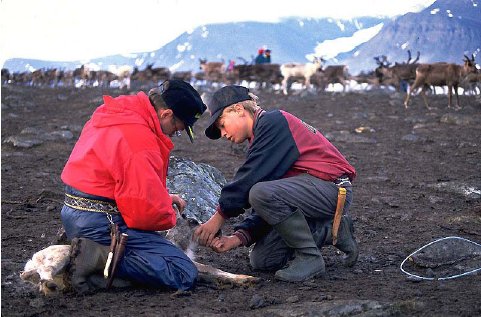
87,258
308,261
346,242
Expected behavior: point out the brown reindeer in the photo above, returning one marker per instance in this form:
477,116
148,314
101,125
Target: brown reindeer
265,75
441,74
471,83
213,71
83,74
332,74
381,62
366,78
6,76
183,75
401,72
150,75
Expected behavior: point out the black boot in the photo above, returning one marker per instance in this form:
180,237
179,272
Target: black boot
346,242
308,261
87,258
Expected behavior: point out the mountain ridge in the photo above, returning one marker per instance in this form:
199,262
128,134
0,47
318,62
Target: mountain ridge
290,40
444,31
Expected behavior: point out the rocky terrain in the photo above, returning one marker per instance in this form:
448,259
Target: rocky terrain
419,179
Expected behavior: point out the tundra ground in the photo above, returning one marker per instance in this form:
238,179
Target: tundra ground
419,177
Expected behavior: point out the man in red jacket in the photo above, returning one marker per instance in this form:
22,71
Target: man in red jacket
116,177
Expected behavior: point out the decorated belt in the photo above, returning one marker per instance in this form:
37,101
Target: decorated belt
343,181
86,204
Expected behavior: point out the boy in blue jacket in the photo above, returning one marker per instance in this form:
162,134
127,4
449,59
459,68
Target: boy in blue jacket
290,179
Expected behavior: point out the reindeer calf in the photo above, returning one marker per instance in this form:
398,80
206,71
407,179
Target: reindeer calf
46,270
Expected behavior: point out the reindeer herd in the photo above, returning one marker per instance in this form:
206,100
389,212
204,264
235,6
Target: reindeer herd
409,76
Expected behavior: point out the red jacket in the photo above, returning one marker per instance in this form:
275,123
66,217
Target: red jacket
122,154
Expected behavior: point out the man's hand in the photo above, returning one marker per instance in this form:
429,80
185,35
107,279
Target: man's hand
178,202
225,243
206,232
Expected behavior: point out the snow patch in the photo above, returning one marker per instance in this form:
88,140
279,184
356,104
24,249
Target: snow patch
341,25
184,47
204,32
331,48
139,61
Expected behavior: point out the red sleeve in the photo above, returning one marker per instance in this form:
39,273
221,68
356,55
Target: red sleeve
141,194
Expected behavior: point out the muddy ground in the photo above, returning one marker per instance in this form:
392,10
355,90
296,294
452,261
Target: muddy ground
419,179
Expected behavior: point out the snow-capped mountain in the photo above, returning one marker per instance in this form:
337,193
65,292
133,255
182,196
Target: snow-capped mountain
445,31
290,40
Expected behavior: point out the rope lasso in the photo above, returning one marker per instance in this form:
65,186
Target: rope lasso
438,278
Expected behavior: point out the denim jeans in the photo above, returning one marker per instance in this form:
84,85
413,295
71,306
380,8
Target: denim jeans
149,258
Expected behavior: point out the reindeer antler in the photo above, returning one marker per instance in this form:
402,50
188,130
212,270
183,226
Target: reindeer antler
409,56
417,58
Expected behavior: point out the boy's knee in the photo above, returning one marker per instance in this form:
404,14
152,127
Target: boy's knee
258,194
264,262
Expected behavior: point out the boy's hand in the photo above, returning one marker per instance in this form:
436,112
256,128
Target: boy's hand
206,232
225,243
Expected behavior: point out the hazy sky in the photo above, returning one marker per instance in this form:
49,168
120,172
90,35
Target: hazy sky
67,30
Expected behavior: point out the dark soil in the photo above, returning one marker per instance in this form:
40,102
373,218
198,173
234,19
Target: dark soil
412,166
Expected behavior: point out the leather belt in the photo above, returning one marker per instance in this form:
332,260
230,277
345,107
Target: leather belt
87,204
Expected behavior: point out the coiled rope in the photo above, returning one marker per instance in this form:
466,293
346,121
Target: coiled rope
438,278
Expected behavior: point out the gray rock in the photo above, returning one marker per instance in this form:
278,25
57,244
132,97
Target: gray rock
58,135
22,141
457,119
198,184
346,136
412,138
471,190
333,308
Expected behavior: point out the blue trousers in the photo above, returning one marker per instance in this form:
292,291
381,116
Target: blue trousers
149,258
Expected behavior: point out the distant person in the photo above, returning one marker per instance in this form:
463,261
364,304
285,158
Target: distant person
291,179
267,54
260,58
230,66
116,176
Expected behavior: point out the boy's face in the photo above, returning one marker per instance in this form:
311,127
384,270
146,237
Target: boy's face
233,124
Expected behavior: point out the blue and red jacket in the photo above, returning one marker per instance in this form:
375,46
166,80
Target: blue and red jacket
282,146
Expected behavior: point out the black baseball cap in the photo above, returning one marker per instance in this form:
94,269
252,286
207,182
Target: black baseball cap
222,99
183,99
